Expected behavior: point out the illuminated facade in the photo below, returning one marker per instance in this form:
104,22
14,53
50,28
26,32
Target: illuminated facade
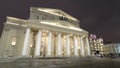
47,33
96,44
112,48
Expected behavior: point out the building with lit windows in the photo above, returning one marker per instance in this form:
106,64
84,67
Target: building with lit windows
112,48
47,33
96,44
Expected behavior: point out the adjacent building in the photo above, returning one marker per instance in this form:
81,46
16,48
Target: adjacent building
112,48
47,33
96,44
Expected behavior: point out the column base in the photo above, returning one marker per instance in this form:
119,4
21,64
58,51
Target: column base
36,57
58,56
24,56
76,56
82,55
67,56
48,56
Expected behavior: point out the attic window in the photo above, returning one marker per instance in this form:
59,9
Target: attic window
37,17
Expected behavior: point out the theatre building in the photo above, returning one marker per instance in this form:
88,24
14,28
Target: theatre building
47,33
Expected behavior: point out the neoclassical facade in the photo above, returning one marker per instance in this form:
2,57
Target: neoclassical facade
47,33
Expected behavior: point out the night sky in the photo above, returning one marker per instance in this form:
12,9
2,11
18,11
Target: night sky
100,17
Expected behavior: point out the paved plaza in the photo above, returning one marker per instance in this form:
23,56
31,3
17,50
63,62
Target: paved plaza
61,63
96,63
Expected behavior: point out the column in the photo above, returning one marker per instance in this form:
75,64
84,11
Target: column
59,52
88,47
75,46
49,49
38,44
68,45
31,44
26,43
82,46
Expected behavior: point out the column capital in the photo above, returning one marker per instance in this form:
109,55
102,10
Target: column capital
76,35
39,29
28,27
59,32
50,30
67,33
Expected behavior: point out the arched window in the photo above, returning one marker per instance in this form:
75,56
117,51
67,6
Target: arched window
14,40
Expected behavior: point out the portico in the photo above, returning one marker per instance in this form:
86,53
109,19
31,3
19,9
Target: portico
54,43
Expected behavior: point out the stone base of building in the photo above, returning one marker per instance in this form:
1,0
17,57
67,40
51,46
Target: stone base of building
59,63
48,62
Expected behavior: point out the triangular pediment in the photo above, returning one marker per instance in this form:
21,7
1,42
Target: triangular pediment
57,12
